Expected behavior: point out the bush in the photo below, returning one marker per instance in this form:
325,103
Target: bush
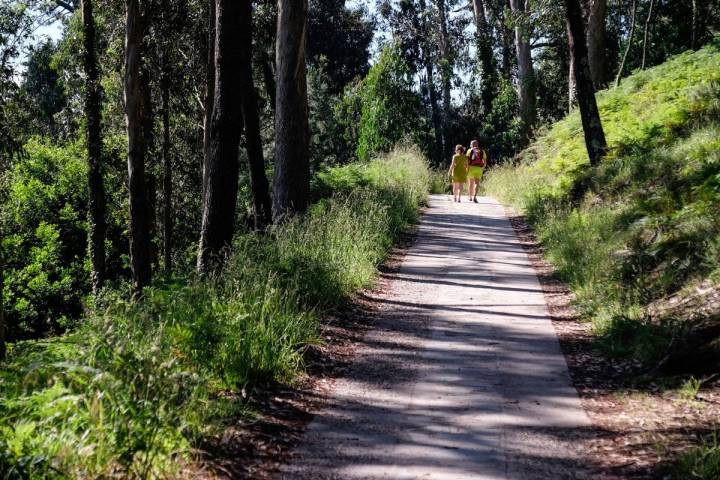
702,463
132,390
44,223
389,108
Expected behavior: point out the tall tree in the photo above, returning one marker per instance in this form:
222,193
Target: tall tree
592,126
221,167
446,70
166,156
96,188
596,11
209,88
291,184
621,67
695,22
341,37
645,34
262,208
427,58
139,234
525,70
3,340
483,36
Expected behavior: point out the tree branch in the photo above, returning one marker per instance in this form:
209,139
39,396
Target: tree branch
66,5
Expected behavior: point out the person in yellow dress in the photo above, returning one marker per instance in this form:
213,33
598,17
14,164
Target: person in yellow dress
477,161
458,172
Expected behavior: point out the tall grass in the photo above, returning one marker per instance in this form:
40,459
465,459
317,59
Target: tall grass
647,225
130,393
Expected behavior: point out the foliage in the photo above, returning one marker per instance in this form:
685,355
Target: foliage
701,463
130,393
45,238
389,109
44,88
646,225
340,38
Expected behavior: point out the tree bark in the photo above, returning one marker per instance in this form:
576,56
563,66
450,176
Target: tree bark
483,36
3,344
497,10
596,12
209,88
268,79
218,218
572,87
292,163
167,165
629,43
526,71
695,16
435,114
506,38
139,213
96,188
148,121
592,126
645,35
262,207
445,72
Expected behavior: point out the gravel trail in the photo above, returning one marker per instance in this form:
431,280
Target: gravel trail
462,377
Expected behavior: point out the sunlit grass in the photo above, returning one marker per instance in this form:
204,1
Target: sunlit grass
130,392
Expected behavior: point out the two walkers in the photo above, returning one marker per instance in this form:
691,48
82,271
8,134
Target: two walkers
467,167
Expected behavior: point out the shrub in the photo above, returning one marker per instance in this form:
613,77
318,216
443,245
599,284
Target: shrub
389,108
132,390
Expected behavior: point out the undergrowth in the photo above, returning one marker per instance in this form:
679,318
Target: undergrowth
642,227
133,389
646,226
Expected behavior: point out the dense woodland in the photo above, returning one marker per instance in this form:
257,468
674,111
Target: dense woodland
164,164
134,88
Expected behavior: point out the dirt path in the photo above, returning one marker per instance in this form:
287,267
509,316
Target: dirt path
462,378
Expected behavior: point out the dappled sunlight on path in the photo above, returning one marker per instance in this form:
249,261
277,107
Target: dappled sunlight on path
462,378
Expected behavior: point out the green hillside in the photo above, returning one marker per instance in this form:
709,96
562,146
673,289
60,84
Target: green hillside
638,238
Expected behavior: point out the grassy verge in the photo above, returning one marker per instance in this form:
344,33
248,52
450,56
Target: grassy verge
646,227
637,237
132,390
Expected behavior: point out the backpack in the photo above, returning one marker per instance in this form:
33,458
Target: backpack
483,158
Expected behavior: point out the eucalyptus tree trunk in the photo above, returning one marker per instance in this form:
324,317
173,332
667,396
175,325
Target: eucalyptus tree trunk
445,72
167,164
96,188
3,345
268,77
435,114
621,68
645,35
592,126
572,87
221,167
496,8
209,87
506,41
139,231
596,12
526,71
695,16
262,208
485,56
148,126
291,185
